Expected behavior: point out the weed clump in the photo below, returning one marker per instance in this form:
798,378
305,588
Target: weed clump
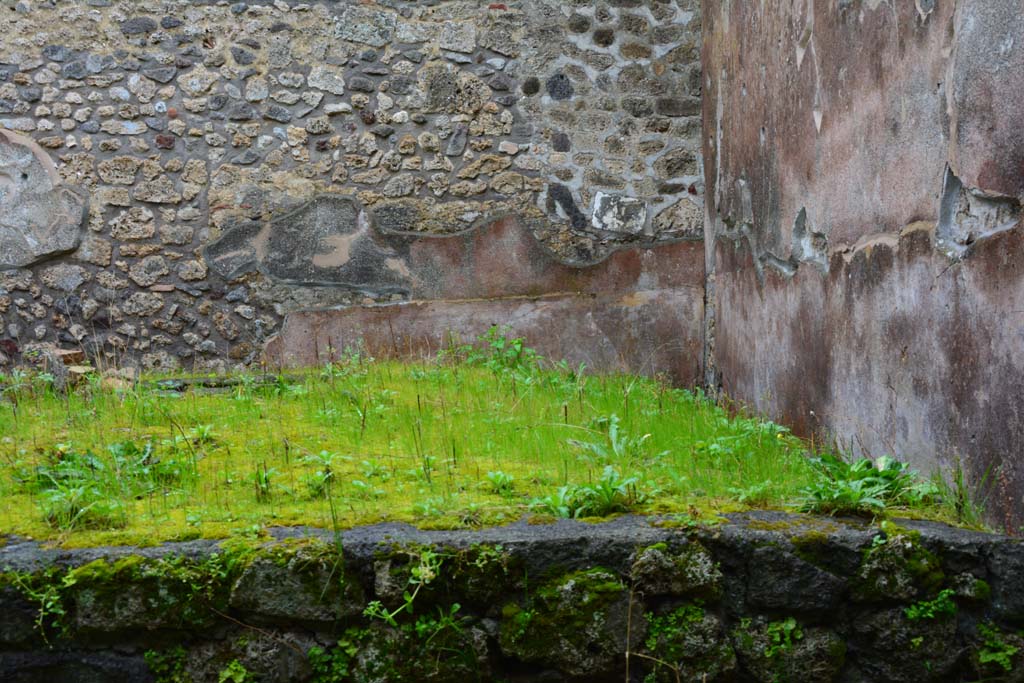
864,487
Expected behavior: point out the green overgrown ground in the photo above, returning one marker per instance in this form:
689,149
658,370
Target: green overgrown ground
483,435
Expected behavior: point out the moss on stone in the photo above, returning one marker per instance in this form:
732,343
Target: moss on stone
483,574
303,580
898,567
576,623
689,571
134,592
168,666
813,547
970,588
892,646
786,651
686,643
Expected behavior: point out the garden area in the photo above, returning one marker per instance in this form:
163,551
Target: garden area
483,435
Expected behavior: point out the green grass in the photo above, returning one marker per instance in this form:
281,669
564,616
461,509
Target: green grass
475,438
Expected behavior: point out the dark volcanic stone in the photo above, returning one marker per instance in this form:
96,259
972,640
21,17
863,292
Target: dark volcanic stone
677,106
639,107
531,86
1007,568
75,70
604,37
138,25
402,85
276,112
785,582
242,112
242,56
578,23
56,53
560,87
296,590
501,83
246,158
31,94
162,74
85,666
739,591
95,64
361,84
457,142
891,647
218,101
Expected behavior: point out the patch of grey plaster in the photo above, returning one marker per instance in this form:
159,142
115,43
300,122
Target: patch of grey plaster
327,242
924,8
809,246
40,216
967,215
615,213
783,266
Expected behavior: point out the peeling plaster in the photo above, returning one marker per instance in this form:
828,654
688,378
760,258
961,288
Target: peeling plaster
967,215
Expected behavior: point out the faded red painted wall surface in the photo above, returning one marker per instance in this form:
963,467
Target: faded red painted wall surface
865,166
639,309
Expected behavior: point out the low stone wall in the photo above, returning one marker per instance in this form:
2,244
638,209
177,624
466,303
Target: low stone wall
764,597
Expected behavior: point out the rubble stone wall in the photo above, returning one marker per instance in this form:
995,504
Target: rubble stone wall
176,177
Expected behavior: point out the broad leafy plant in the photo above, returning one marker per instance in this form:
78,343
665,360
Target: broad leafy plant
611,493
864,486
